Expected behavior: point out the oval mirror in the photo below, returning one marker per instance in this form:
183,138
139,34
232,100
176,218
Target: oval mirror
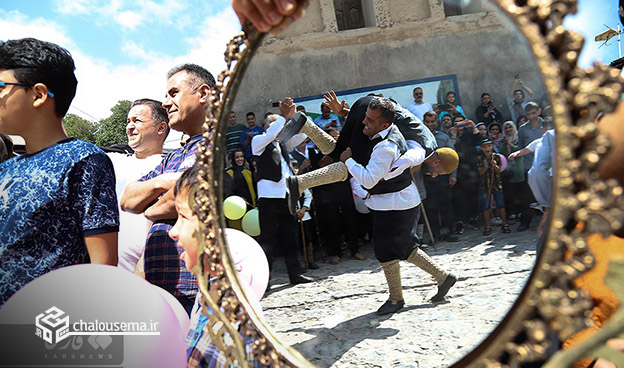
397,50
468,48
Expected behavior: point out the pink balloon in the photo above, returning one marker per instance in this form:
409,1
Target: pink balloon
176,307
67,301
249,260
503,162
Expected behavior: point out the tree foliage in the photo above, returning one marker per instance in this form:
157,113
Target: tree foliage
77,127
112,130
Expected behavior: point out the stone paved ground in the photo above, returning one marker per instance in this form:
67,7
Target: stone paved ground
333,324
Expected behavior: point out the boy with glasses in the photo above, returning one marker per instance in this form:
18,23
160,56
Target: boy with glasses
57,202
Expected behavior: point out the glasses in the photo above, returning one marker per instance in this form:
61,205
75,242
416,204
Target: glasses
2,84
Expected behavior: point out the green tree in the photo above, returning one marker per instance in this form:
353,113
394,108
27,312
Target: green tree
77,127
112,130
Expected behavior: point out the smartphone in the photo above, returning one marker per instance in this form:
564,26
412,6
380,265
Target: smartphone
462,124
517,76
275,104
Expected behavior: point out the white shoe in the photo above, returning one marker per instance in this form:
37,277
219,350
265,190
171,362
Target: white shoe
424,246
496,221
536,206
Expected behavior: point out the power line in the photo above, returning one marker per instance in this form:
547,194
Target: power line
85,113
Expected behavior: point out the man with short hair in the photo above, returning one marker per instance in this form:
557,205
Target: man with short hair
248,133
147,128
57,202
394,202
439,202
527,133
327,120
516,101
279,227
446,123
233,134
419,107
188,92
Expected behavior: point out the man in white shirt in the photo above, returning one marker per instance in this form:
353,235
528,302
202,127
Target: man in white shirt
419,107
394,201
147,127
278,226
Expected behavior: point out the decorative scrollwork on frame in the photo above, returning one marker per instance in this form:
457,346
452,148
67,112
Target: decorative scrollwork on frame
230,312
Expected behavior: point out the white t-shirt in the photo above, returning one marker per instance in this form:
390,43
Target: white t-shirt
132,228
419,110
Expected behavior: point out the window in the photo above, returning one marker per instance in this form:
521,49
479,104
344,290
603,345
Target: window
352,14
460,7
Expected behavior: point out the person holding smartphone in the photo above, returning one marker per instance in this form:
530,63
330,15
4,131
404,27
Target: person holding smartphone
486,112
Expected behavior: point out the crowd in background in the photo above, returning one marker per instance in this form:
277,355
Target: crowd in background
489,188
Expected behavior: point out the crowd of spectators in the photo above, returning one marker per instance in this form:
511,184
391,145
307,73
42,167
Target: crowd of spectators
489,188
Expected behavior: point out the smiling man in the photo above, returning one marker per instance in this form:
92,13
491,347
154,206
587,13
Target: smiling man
57,202
394,203
147,128
188,91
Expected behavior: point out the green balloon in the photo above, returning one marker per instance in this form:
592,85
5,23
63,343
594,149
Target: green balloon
234,207
251,222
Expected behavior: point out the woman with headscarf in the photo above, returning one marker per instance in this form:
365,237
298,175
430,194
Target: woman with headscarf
242,183
513,176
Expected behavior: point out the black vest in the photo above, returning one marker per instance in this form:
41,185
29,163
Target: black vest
400,182
269,163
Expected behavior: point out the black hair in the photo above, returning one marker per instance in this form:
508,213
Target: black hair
385,105
531,106
33,61
520,118
455,116
158,111
430,113
250,113
198,73
188,179
485,94
232,154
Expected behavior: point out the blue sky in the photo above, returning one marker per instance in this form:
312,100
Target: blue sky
589,21
124,48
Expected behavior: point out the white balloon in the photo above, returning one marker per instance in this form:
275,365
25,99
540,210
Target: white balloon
249,260
94,295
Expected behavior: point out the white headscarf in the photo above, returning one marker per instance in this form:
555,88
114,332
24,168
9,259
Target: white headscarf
514,136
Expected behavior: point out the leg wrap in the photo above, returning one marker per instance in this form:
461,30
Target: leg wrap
323,141
392,270
325,175
310,252
422,260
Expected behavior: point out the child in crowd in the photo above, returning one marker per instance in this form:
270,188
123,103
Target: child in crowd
490,185
201,352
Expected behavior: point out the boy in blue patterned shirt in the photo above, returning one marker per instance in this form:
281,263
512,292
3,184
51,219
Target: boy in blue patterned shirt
57,202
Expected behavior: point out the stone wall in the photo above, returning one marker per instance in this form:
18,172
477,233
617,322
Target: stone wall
412,40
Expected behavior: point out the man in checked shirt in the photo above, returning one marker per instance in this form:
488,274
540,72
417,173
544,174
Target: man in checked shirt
188,91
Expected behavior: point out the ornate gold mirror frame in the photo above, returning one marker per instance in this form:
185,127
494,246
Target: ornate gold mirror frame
549,305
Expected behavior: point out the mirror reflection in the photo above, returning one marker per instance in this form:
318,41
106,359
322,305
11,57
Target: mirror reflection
468,83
